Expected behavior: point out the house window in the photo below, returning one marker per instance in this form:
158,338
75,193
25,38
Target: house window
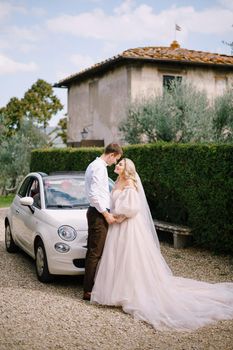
168,79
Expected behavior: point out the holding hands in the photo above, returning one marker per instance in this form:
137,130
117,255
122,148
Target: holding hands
109,217
119,218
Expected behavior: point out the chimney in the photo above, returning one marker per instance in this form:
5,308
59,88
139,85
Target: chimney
175,45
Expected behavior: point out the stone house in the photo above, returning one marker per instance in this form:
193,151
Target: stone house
98,96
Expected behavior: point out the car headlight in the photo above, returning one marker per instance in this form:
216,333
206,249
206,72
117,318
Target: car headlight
67,233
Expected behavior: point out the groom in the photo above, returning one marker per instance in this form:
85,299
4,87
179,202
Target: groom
98,216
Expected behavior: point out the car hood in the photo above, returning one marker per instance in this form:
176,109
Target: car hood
73,217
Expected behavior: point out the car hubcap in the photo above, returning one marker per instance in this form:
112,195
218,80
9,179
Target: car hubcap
8,237
40,261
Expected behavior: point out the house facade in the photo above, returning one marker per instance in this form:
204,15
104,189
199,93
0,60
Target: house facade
99,96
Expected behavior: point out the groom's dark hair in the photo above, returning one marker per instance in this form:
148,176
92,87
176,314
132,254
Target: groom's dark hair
113,148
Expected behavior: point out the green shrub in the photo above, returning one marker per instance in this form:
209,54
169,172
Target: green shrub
60,159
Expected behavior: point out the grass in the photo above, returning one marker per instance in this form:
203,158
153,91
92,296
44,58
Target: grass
5,201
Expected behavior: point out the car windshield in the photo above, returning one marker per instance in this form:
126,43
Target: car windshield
65,192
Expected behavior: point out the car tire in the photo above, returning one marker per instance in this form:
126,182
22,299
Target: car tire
42,270
10,245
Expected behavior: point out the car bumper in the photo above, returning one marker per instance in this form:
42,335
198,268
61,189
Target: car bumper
66,263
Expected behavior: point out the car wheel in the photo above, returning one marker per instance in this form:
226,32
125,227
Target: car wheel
11,247
42,270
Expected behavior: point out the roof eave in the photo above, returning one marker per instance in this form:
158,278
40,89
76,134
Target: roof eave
108,64
89,72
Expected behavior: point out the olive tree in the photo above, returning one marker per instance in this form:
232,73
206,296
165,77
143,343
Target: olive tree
223,116
181,114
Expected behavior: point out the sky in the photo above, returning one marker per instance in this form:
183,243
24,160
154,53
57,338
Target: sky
52,39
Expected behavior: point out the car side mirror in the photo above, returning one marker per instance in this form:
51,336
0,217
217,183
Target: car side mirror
27,201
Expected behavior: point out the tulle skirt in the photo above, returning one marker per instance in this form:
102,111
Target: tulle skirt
134,275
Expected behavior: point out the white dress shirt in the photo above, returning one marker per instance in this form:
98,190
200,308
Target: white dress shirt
96,185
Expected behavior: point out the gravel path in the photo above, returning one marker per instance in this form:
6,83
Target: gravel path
35,316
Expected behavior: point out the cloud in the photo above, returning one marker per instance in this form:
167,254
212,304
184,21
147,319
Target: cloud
6,9
209,21
38,12
227,3
81,61
20,38
125,7
14,33
62,74
9,66
24,34
119,27
129,22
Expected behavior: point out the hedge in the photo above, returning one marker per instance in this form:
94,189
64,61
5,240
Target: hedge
190,184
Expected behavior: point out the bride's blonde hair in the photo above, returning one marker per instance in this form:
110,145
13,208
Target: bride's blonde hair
130,171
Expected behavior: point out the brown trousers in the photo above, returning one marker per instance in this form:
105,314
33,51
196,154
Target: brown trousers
97,232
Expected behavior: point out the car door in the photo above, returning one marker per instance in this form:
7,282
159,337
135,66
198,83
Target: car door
25,219
18,212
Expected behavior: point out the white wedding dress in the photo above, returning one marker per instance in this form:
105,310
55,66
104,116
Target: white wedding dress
133,274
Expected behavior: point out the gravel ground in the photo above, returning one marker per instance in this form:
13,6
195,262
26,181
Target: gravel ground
35,316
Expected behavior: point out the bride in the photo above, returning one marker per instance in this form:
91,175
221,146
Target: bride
134,275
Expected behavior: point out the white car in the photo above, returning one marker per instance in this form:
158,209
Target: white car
47,220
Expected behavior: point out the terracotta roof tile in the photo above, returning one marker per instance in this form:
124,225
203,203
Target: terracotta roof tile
173,53
178,54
